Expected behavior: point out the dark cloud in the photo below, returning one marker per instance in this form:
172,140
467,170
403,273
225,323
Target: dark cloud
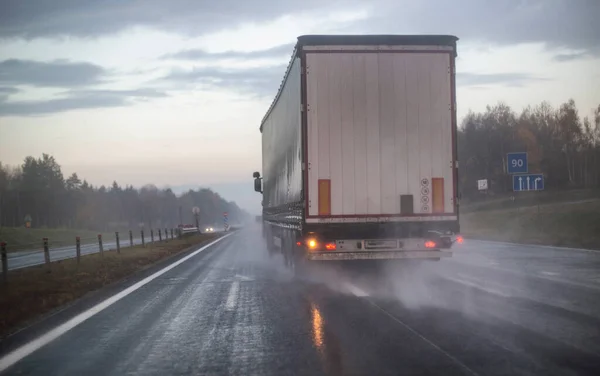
78,99
557,23
5,92
257,81
570,57
58,73
84,18
8,90
197,54
506,79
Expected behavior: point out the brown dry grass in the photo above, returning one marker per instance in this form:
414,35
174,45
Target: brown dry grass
34,291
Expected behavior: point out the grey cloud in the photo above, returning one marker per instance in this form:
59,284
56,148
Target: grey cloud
570,57
5,92
136,93
8,90
58,73
507,79
255,81
78,99
84,18
197,54
557,23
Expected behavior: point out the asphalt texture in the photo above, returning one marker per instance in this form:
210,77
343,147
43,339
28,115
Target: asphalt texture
492,309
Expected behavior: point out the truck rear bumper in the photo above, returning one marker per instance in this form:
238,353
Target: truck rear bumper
377,255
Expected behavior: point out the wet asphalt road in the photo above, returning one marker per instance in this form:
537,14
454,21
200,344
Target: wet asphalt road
493,309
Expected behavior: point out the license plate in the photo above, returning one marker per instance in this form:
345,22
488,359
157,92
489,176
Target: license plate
381,244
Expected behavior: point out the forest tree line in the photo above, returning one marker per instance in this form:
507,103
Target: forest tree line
559,142
38,189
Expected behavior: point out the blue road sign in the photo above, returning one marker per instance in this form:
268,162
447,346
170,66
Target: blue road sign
517,163
528,182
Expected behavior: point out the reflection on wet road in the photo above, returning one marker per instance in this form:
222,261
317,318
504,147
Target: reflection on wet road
493,309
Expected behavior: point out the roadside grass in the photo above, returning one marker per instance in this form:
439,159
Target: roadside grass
525,199
24,239
35,291
560,224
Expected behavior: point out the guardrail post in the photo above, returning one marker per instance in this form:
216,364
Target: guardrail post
46,252
172,234
159,236
143,239
151,236
180,232
78,248
118,243
4,262
166,235
131,238
100,244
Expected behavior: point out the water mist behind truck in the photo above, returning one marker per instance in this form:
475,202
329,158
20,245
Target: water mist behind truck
359,154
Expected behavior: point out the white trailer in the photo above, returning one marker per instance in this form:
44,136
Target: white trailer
359,149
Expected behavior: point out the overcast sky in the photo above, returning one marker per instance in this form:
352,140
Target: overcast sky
172,92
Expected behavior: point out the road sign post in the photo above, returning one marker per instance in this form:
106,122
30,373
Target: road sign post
225,221
517,163
528,182
196,211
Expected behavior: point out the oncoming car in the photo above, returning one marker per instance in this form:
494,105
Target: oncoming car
209,229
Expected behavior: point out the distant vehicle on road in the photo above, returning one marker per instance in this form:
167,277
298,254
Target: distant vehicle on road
209,229
359,150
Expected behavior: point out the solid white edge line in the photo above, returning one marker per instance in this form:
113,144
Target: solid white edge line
25,350
416,333
556,248
354,290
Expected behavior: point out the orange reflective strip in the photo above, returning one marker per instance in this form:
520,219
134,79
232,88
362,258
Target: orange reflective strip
324,197
437,195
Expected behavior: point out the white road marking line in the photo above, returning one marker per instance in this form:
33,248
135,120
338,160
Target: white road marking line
551,247
549,273
232,297
355,290
413,331
479,286
243,277
522,274
50,336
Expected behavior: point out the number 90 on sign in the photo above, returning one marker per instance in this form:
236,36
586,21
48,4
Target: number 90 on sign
517,163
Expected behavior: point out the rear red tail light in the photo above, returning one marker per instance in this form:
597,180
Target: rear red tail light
298,244
459,239
330,246
429,244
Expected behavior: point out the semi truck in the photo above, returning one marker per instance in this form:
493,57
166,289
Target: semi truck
359,156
